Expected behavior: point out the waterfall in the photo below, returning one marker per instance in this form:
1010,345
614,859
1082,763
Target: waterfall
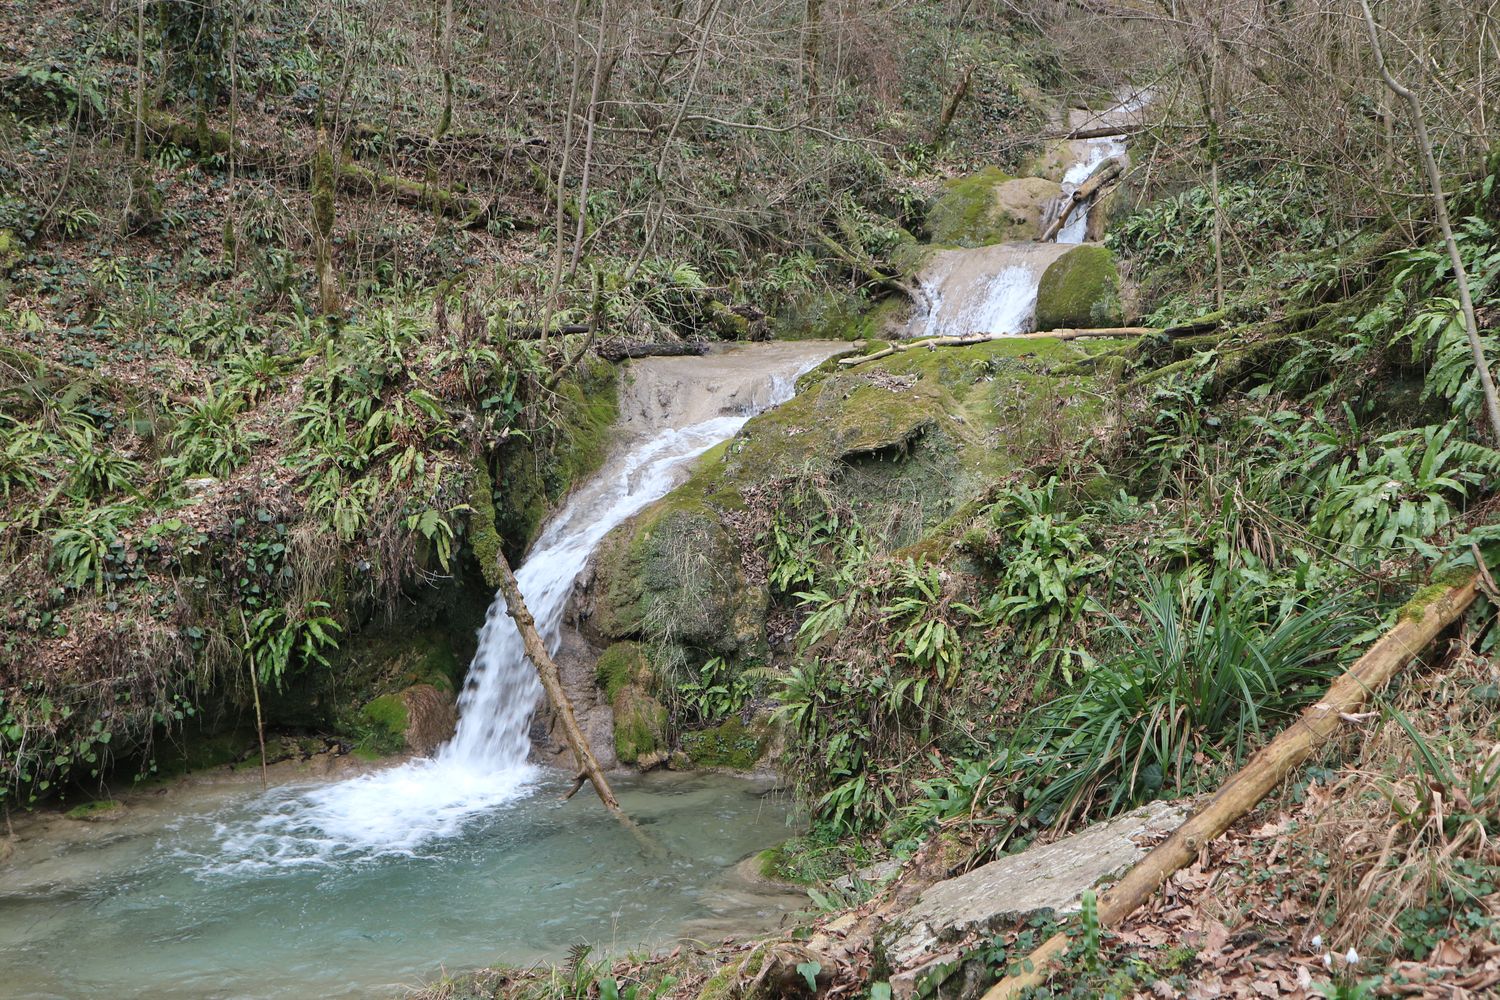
993,289
1096,152
675,410
985,290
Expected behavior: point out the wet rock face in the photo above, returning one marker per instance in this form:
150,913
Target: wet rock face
430,718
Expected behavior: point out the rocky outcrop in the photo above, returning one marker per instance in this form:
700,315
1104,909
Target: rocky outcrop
901,444
990,207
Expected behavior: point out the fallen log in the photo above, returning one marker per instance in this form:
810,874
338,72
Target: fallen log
1104,175
350,177
982,338
535,332
620,350
546,668
1098,132
1419,624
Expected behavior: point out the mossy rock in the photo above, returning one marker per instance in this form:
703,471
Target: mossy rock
990,207
731,744
387,714
1080,289
622,664
904,443
640,725
103,811
674,575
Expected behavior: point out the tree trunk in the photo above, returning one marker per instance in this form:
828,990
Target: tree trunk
812,43
945,120
1440,210
536,650
646,349
445,119
984,338
323,217
1263,773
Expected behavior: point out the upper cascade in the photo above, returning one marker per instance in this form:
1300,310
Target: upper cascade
993,289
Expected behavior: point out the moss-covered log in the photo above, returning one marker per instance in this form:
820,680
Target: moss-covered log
353,178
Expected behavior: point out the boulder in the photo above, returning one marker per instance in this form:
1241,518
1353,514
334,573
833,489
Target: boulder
640,727
990,207
1080,289
731,745
1045,880
675,574
419,719
431,717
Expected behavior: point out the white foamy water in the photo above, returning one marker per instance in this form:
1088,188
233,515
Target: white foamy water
993,289
1076,229
405,810
985,290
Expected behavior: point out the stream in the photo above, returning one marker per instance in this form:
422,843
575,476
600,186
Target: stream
358,887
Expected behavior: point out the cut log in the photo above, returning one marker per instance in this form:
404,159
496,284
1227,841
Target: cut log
536,650
1418,627
1103,176
620,350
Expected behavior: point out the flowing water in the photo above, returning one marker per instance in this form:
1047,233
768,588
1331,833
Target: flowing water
993,289
340,889
153,906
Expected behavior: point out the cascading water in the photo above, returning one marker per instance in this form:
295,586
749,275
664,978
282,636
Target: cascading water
403,809
1076,229
993,289
986,290
352,889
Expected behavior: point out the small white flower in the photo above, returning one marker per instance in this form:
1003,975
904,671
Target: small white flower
1327,960
1317,941
1352,957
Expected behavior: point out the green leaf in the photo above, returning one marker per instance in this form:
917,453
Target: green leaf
810,970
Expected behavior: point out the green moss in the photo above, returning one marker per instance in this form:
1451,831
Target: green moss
194,748
905,442
1415,609
835,315
730,744
990,207
322,188
724,983
962,215
11,250
536,474
1080,289
92,811
387,713
621,664
483,539
640,725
